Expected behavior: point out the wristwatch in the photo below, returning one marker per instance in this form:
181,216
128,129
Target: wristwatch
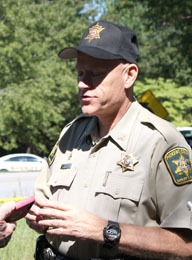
111,234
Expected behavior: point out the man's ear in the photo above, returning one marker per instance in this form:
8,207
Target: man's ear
131,72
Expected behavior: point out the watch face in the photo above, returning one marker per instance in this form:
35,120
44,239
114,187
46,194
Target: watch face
112,233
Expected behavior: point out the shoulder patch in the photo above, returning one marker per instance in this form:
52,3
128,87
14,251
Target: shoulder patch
51,156
179,165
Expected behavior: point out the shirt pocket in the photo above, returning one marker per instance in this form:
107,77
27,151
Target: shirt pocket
119,197
61,181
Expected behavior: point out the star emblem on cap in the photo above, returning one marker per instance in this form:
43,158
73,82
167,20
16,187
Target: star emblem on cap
94,32
127,162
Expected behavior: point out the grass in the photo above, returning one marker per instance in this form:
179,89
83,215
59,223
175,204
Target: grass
22,244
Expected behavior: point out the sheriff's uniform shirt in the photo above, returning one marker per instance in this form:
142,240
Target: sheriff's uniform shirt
140,174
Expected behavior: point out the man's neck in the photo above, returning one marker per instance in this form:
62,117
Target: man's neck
108,123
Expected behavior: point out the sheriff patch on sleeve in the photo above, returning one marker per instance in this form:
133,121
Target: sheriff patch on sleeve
51,156
179,166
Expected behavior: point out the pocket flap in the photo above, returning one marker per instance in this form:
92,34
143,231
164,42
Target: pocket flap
121,187
63,177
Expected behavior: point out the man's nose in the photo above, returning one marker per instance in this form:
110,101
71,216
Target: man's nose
85,81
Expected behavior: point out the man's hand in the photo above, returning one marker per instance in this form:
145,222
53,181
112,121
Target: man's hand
70,221
6,229
32,219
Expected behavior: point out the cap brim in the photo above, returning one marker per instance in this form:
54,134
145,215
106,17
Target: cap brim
71,52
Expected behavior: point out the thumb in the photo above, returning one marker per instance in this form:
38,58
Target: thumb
6,209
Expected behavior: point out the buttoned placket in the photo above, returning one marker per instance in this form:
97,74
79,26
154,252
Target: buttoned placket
92,166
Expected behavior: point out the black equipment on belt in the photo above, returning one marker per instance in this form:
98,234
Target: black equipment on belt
44,251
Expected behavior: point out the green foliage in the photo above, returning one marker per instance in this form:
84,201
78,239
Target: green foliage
38,90
176,99
22,244
175,18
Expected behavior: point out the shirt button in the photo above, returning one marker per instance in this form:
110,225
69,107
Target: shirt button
121,138
117,191
85,185
92,155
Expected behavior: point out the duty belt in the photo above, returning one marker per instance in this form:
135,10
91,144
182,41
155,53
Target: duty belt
44,251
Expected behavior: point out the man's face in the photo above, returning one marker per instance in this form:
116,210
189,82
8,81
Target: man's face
101,85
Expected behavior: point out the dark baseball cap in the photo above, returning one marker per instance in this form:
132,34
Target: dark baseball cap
105,40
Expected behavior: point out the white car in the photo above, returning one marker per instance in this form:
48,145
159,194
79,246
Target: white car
187,133
21,162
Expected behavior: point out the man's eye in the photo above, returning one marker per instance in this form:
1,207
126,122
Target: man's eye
80,73
97,74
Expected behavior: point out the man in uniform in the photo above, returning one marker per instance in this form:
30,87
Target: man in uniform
118,179
6,229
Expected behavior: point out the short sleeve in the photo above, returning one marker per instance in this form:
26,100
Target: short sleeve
41,184
173,190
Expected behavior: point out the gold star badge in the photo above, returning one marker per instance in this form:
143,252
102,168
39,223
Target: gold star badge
127,162
182,164
94,32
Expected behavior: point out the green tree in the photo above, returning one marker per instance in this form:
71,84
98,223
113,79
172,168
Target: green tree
175,17
37,89
175,99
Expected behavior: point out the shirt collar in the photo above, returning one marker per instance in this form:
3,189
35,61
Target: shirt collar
121,132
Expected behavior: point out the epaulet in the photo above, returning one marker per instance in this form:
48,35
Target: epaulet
165,128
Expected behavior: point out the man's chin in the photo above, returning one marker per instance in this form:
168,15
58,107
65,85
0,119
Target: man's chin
88,112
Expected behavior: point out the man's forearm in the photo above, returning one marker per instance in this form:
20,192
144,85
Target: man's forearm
155,242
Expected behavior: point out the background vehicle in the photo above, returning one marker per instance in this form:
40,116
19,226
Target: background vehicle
187,133
21,162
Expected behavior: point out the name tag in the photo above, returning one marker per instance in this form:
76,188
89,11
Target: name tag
66,166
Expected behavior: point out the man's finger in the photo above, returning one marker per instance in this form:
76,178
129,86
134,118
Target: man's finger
6,209
54,204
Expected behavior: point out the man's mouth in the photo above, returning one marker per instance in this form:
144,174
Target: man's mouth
85,97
